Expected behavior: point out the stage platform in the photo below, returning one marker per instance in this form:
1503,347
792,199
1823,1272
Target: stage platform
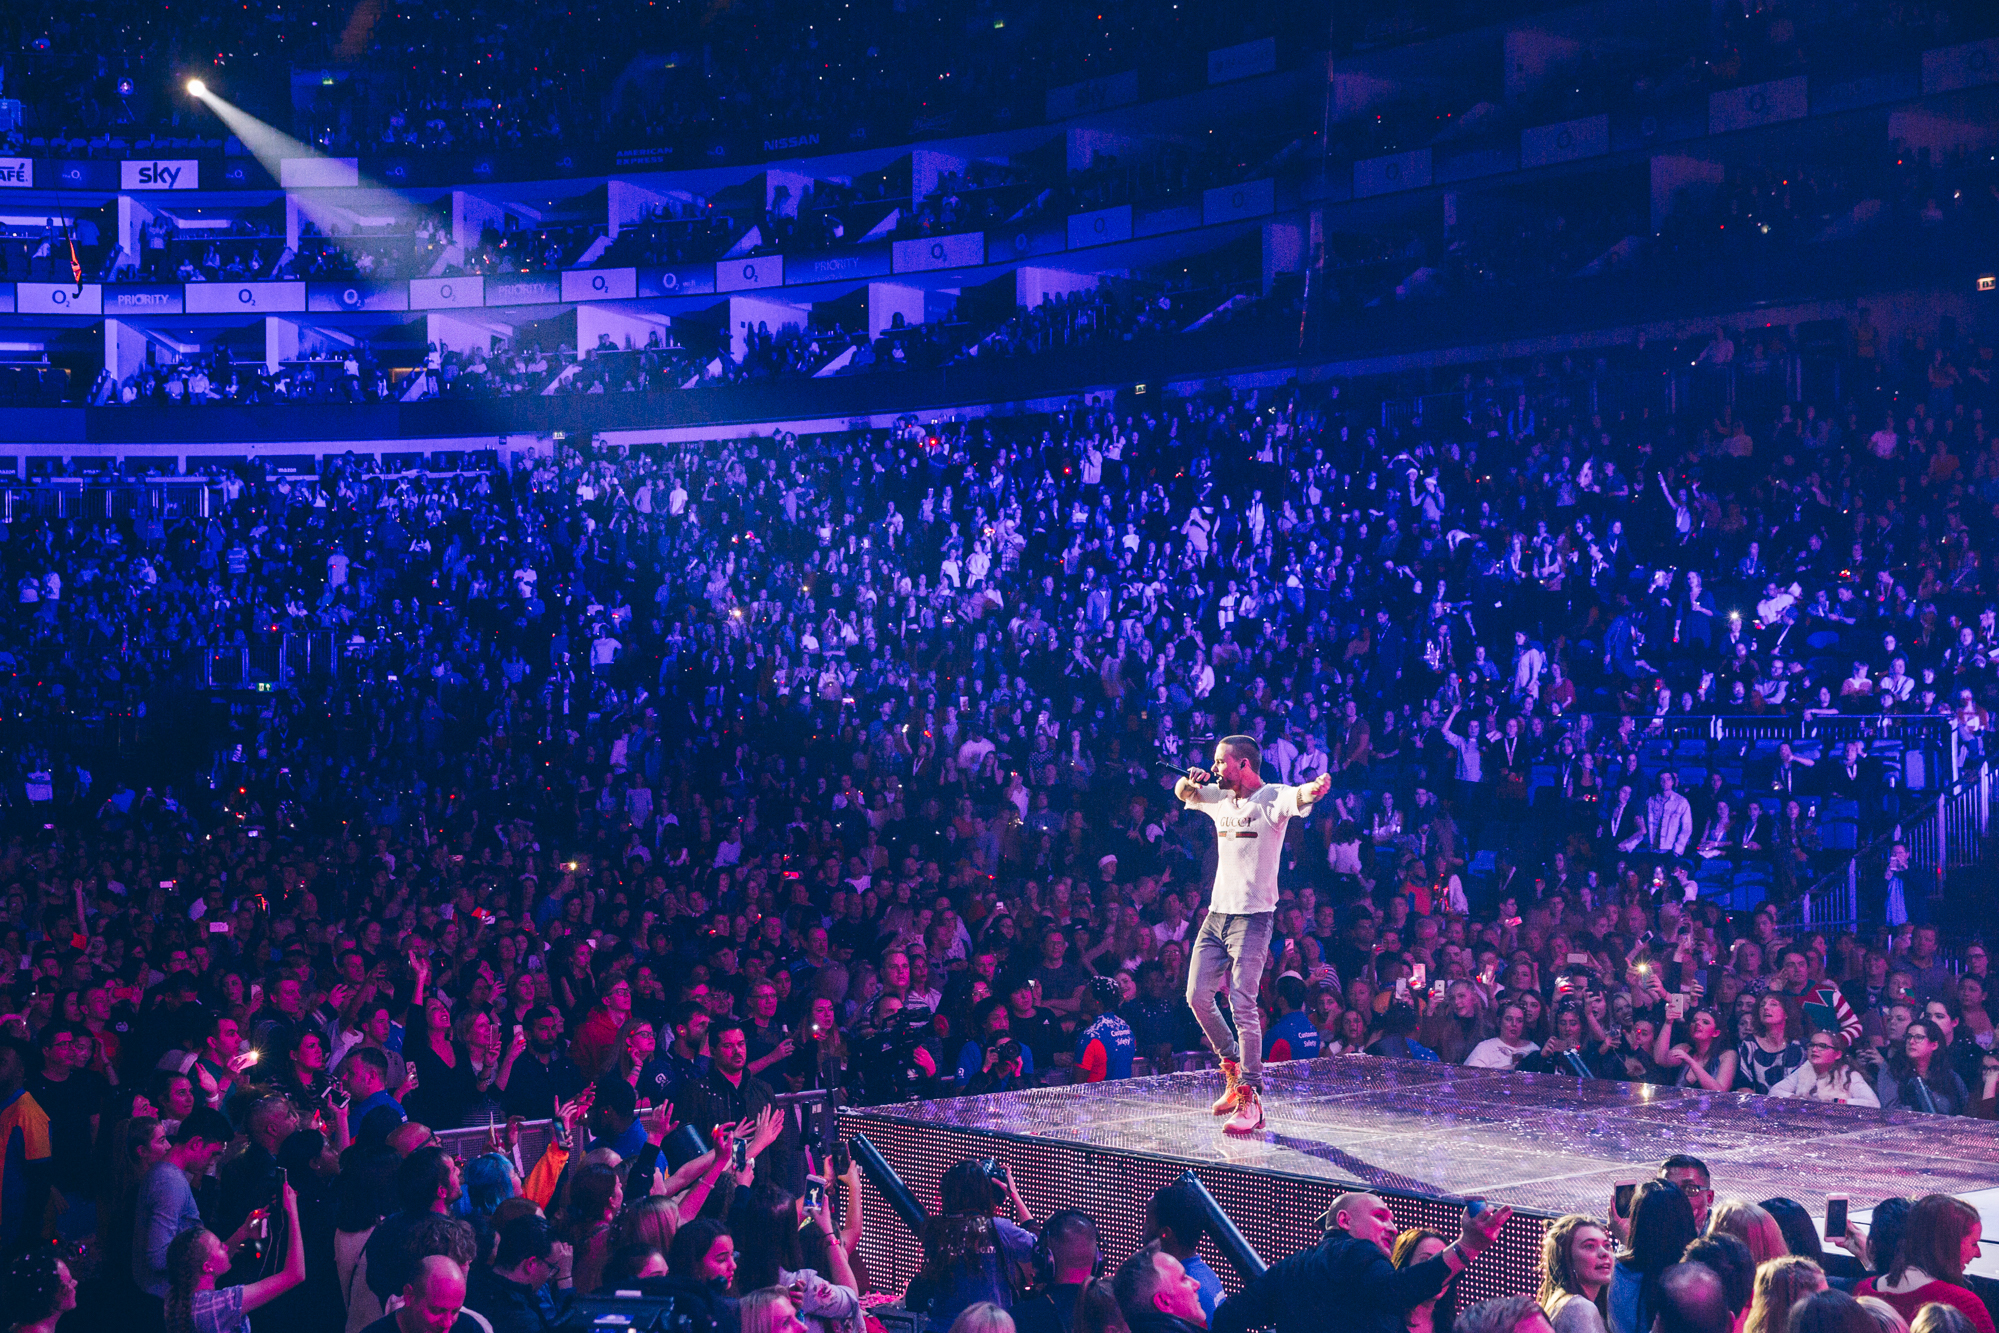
1425,1136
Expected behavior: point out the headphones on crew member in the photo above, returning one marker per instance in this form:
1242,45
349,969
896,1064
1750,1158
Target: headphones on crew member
1044,1251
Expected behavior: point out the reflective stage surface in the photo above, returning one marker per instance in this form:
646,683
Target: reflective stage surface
1547,1143
1425,1136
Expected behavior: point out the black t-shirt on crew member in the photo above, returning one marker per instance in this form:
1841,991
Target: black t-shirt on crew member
534,1089
1041,1033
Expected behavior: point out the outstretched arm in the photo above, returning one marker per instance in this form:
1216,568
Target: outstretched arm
265,1290
1312,792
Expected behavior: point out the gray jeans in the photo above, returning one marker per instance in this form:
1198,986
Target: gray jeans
1235,947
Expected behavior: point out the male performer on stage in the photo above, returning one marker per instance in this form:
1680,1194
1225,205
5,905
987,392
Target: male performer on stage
1234,940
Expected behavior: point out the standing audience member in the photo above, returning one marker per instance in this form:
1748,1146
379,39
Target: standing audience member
1826,1076
1921,1077
768,1226
1728,1259
166,1206
1828,1311
1751,1225
24,1150
1155,1295
1691,1299
1504,1314
36,1291
433,1301
1069,1239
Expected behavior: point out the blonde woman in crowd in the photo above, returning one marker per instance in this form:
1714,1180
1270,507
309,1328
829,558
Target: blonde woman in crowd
1751,1225
769,1310
1883,1314
1780,1285
984,1317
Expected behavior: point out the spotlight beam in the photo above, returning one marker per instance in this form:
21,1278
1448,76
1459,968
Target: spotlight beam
271,146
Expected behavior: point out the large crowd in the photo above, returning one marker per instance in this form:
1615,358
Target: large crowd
692,775
399,82
402,83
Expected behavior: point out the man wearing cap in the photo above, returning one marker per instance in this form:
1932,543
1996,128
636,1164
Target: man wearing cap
1234,940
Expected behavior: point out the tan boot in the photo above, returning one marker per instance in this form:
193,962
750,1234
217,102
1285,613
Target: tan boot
1248,1117
1232,1094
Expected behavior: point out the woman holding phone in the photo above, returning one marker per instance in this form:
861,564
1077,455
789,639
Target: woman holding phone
1941,1237
196,1258
1661,1227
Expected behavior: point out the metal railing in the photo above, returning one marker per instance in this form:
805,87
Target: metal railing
107,497
1948,833
475,1140
470,1141
1831,729
269,661
110,499
1669,388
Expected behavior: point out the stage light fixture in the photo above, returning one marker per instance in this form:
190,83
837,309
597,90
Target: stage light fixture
195,88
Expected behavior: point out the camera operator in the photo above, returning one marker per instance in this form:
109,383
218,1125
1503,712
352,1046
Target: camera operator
895,1056
970,1255
992,1060
1352,1260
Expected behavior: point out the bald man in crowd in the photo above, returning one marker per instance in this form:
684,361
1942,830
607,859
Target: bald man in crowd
1375,1295
1692,1299
433,1302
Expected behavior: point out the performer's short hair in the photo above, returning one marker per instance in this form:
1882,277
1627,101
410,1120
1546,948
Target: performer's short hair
1245,747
